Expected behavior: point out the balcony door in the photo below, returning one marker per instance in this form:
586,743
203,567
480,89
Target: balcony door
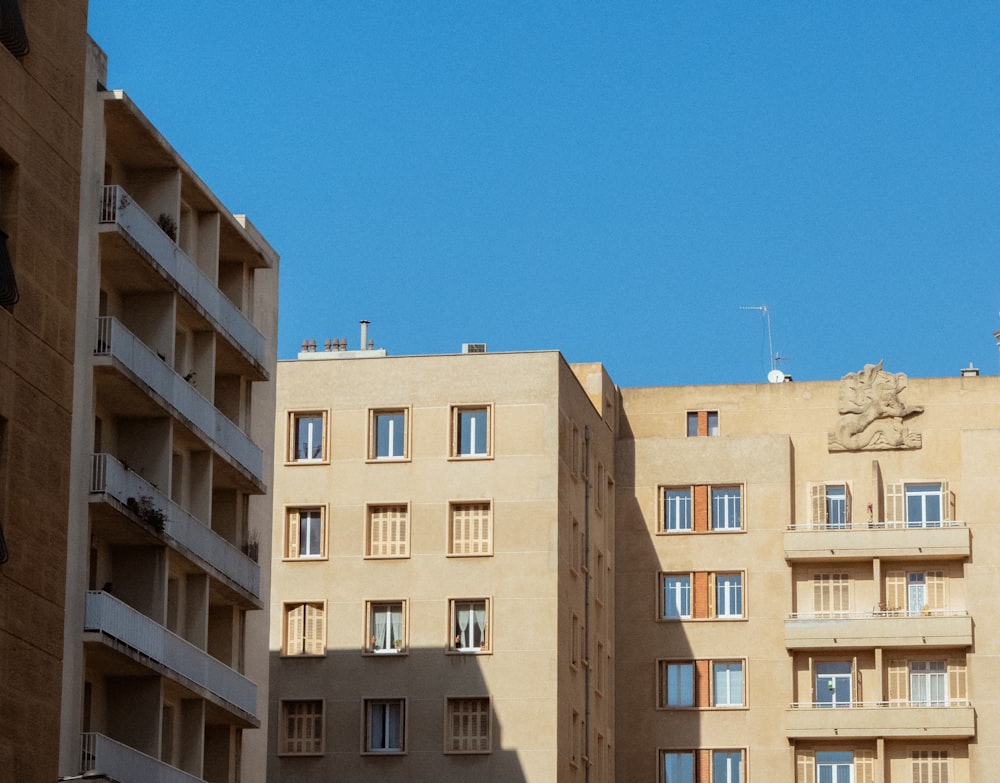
835,767
928,683
833,686
916,592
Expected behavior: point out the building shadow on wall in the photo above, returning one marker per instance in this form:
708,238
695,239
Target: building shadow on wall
418,699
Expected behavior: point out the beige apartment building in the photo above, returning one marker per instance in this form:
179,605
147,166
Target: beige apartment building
163,667
442,576
760,582
41,107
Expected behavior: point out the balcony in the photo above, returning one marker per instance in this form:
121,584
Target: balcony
149,372
936,628
103,757
120,212
868,540
110,479
184,662
880,719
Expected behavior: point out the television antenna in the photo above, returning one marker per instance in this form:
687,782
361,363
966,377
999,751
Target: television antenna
775,375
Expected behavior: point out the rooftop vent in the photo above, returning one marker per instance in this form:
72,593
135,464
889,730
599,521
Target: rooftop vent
473,347
970,371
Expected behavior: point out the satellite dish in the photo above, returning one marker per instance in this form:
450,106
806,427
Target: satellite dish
776,376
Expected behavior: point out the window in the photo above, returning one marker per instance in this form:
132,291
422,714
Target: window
928,683
308,443
833,683
678,766
305,629
830,505
727,766
384,725
467,726
700,683
305,536
471,529
729,595
835,766
388,435
702,423
577,545
388,531
931,766
386,632
701,595
679,682
301,728
576,641
831,593
470,625
600,490
727,684
470,432
600,579
915,592
925,504
702,508
726,508
576,729
677,509
676,597
601,673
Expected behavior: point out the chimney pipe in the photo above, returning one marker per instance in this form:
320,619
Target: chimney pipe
364,335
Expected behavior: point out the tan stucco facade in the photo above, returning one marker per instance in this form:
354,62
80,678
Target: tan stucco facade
497,622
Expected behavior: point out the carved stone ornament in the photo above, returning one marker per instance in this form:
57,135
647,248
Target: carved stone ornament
872,412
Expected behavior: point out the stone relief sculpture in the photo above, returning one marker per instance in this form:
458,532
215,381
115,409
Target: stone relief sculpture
872,413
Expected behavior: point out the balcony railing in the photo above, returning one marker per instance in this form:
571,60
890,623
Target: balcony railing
825,705
876,614
110,476
118,620
114,340
103,756
829,528
878,539
121,210
954,718
878,628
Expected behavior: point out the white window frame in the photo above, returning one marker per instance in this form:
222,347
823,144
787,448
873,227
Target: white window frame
922,491
313,432
394,635
723,674
678,509
729,596
929,683
296,531
391,423
459,412
726,507
378,720
835,766
462,639
677,593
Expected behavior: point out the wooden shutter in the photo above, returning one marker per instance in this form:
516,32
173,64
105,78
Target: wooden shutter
470,725
293,532
701,593
841,596
895,590
848,516
820,603
958,679
388,534
700,493
856,682
898,676
294,627
817,504
702,684
304,727
947,503
895,503
864,766
935,589
805,766
470,529
314,635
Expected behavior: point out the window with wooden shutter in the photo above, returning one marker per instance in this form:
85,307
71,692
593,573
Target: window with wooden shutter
895,591
895,503
305,629
817,504
471,529
805,766
388,531
305,533
935,590
468,726
864,766
897,681
831,593
301,728
931,766
958,680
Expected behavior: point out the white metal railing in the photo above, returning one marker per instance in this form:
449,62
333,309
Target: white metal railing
120,209
834,528
107,614
110,476
101,755
878,614
880,705
114,340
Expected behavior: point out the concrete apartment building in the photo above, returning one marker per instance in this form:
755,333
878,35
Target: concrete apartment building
41,108
137,350
436,519
172,433
788,581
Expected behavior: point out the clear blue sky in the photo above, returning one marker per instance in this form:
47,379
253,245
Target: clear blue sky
613,180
